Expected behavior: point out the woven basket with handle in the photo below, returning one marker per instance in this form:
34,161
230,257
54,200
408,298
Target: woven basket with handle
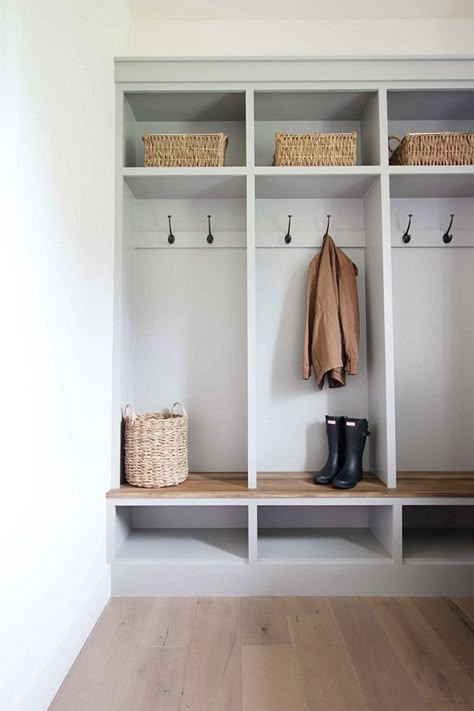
445,148
180,150
315,148
156,447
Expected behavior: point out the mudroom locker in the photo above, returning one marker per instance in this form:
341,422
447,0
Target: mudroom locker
218,326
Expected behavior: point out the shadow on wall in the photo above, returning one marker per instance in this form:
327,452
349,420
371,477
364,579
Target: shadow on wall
287,381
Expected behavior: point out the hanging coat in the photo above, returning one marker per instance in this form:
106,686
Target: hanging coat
332,327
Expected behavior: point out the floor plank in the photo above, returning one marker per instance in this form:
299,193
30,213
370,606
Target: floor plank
437,674
298,605
384,680
212,679
324,666
263,621
269,679
452,625
171,622
154,680
466,604
165,654
95,680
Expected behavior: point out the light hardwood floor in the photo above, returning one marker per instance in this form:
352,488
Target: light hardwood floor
276,654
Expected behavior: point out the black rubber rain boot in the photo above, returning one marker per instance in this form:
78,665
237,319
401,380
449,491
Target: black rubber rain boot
351,473
335,431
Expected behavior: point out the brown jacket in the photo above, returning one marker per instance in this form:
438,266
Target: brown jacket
331,336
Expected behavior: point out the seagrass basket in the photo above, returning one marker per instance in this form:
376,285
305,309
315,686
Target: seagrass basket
156,447
445,148
204,150
315,148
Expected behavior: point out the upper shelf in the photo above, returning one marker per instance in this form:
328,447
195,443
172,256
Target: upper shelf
426,111
431,181
431,105
179,106
192,183
314,182
184,112
299,182
317,111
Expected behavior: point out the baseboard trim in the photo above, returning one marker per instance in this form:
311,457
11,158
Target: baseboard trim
342,578
48,681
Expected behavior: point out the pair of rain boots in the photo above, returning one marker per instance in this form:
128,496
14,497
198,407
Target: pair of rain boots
346,441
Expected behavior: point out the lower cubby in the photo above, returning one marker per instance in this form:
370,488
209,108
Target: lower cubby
274,545
325,533
207,534
438,534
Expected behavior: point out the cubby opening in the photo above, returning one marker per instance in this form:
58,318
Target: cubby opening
433,292
291,411
317,111
184,112
183,313
324,533
426,111
211,534
443,534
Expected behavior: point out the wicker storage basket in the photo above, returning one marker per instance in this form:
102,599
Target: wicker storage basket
205,150
156,447
315,148
444,148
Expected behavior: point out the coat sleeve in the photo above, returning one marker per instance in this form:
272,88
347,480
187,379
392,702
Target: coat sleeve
309,322
349,314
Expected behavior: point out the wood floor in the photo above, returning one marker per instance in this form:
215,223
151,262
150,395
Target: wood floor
276,654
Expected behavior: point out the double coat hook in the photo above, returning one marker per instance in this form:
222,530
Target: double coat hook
288,236
447,237
172,238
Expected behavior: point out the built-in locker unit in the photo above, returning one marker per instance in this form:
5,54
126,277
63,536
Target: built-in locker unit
218,326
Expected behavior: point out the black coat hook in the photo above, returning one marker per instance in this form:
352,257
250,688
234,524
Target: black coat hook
210,236
327,226
171,237
288,235
406,237
447,238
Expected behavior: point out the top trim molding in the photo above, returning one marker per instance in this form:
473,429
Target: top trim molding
277,69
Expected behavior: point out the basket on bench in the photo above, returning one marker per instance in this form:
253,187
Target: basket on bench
156,447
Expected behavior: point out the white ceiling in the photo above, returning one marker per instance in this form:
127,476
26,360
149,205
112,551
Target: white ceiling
301,9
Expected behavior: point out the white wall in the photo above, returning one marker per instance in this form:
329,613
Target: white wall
308,37
56,188
57,114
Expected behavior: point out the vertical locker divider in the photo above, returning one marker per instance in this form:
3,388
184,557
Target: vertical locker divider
117,295
388,294
381,524
253,533
397,552
251,296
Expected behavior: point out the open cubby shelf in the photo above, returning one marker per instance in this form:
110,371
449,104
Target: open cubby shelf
438,534
219,327
209,545
305,545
